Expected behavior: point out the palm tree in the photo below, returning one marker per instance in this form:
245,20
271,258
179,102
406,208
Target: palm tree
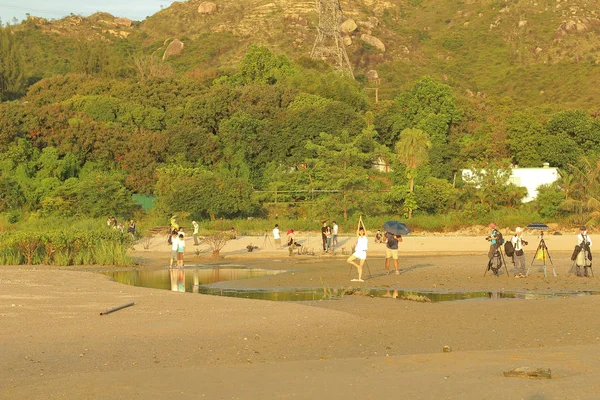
583,197
413,151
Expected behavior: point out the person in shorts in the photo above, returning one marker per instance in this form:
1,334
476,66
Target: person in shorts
391,251
174,248
360,253
277,236
180,250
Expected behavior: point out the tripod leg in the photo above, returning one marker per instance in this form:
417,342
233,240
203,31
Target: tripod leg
534,256
504,262
368,268
489,264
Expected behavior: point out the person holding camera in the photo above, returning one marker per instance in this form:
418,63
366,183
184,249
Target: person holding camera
495,239
519,254
584,255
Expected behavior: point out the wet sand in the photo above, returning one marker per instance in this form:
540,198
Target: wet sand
56,345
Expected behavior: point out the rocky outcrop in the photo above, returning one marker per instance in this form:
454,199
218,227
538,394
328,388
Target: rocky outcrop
373,41
373,76
174,49
207,8
123,22
348,26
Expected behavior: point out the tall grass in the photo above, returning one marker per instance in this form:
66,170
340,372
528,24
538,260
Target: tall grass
65,247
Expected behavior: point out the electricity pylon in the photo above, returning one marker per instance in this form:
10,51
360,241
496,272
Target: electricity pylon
329,44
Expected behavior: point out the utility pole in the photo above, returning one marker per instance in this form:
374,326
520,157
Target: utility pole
329,45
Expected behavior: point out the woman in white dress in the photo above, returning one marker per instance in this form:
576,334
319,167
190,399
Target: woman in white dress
360,253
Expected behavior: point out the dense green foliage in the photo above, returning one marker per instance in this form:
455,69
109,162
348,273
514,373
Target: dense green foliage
85,124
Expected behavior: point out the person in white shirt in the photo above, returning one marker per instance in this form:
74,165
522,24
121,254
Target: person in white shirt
334,231
583,259
195,234
276,236
519,255
360,253
174,248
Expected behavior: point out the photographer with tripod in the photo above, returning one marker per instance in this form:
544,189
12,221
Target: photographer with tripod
494,238
495,256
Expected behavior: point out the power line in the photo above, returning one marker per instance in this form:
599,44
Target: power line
39,10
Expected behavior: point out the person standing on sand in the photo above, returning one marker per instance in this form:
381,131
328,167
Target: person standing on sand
180,250
195,234
494,239
174,248
584,256
391,251
276,236
519,256
324,229
334,231
360,253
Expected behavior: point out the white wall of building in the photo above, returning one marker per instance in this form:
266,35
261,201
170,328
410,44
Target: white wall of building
529,178
532,179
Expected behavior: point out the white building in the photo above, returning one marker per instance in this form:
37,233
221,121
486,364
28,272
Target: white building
529,178
533,178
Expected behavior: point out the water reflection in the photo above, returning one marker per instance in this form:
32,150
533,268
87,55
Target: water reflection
188,279
202,280
177,278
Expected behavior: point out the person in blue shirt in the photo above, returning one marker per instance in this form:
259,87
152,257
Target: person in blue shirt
494,239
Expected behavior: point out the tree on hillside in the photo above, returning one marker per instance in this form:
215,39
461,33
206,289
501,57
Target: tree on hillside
262,66
413,151
12,77
202,193
340,164
428,106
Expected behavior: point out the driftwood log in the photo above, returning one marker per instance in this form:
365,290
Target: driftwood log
529,373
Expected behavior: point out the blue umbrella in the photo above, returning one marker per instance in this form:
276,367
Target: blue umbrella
396,228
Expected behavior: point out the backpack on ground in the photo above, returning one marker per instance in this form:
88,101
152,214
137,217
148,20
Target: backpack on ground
509,249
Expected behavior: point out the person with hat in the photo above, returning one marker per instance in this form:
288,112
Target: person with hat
495,239
584,256
519,254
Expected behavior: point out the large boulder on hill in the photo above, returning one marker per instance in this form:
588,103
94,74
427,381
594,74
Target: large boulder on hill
123,22
348,26
207,8
372,76
175,48
373,41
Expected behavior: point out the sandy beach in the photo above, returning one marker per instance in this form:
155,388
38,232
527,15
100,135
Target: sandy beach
56,345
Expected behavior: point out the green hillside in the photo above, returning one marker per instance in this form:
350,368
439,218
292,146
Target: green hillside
542,52
224,98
